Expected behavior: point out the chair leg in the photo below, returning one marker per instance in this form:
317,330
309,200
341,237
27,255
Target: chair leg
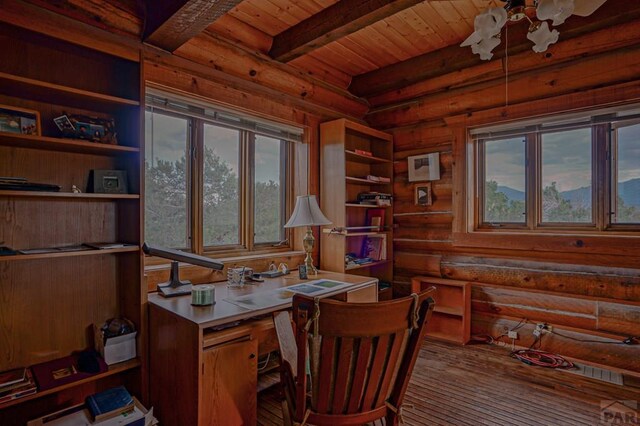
286,415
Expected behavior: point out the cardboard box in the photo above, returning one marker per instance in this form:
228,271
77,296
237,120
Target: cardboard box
78,415
116,349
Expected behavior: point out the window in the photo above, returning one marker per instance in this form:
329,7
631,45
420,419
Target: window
215,181
626,174
578,173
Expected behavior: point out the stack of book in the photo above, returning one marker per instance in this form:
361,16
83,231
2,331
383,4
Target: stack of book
16,384
375,198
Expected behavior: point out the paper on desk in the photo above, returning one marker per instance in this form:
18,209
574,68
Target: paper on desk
283,296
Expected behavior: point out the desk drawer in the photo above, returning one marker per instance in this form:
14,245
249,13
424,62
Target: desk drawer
261,329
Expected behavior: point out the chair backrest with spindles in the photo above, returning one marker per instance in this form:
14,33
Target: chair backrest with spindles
360,356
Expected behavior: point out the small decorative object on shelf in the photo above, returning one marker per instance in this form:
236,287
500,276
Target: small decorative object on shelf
424,167
75,189
67,370
19,120
93,129
108,182
423,194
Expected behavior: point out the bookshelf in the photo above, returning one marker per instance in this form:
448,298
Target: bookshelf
350,152
49,301
451,317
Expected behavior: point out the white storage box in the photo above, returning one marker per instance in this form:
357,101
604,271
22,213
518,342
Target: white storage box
116,349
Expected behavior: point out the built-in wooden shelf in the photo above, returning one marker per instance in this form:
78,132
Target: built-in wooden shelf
367,265
451,318
64,145
449,310
366,206
28,86
68,195
112,370
360,181
442,336
358,233
366,159
59,254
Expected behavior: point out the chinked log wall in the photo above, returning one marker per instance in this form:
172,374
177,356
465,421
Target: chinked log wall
586,296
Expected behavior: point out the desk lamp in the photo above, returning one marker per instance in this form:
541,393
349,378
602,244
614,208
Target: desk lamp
175,287
307,213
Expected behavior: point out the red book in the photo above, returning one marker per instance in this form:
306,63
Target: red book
363,152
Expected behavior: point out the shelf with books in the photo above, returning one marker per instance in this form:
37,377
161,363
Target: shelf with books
53,78
111,370
366,206
362,158
367,265
64,145
357,168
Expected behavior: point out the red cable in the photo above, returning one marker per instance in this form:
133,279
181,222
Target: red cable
541,358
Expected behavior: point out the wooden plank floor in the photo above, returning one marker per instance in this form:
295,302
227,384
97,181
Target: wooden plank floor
482,385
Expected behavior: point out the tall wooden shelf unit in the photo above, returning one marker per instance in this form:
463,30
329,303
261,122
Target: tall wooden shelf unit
49,301
343,176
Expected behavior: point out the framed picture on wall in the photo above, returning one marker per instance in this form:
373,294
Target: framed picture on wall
423,194
19,120
424,167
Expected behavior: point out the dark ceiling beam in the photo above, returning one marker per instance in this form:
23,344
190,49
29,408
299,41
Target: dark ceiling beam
338,20
171,23
454,58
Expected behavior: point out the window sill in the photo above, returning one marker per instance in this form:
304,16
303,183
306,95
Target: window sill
587,243
158,264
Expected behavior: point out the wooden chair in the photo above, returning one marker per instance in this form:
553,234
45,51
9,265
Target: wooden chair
349,363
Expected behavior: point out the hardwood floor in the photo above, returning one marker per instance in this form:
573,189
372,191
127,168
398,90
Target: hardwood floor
481,384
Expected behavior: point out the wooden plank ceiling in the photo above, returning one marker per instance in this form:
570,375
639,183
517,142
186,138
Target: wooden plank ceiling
368,47
424,27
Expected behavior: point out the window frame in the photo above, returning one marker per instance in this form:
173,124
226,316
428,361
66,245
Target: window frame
246,176
603,183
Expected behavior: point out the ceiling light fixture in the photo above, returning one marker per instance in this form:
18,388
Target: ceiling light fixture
488,24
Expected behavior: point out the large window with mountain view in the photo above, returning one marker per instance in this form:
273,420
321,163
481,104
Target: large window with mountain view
572,174
214,182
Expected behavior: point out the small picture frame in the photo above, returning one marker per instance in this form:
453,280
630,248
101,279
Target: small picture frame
302,271
423,194
424,167
19,120
108,182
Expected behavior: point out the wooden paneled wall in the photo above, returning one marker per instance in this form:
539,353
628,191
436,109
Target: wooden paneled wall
585,296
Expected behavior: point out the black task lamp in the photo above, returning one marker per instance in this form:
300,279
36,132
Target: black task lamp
175,287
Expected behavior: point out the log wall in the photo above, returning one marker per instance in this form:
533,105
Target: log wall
589,295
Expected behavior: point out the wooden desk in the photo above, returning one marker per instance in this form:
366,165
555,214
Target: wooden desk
204,375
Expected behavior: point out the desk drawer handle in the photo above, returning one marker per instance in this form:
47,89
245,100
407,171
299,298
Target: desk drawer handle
252,356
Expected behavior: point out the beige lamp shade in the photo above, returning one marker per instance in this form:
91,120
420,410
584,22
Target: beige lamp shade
307,213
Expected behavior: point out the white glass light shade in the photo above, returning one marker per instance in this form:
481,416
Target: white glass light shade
487,26
542,37
557,10
307,213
